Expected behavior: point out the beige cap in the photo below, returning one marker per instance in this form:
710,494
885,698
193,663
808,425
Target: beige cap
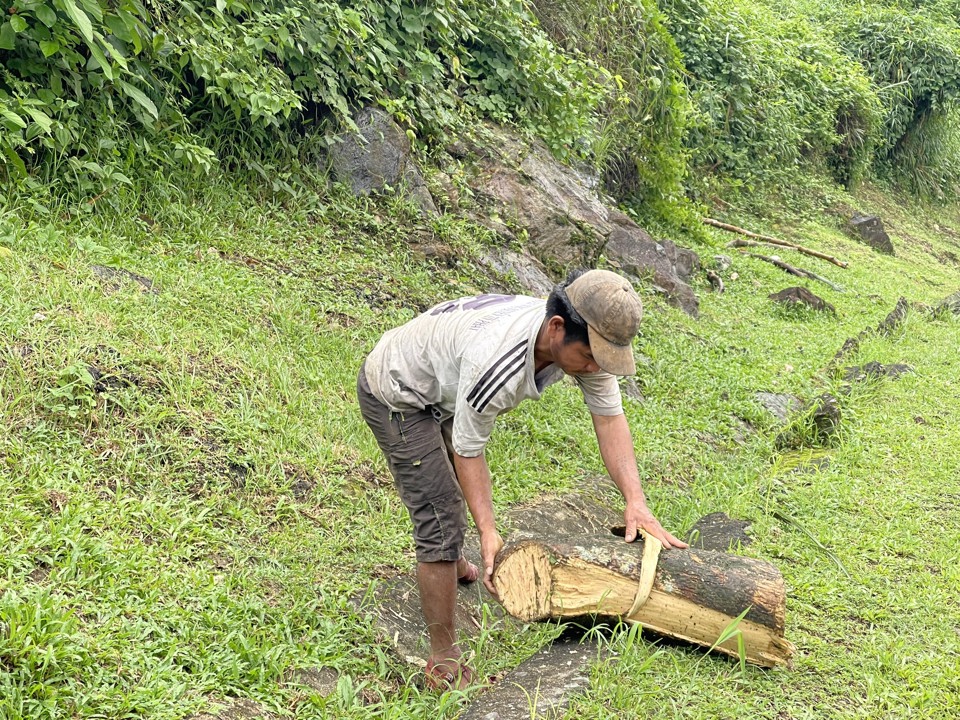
612,310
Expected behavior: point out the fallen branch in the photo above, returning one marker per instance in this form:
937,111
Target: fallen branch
799,272
770,241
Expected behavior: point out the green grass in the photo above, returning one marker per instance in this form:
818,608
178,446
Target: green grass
192,528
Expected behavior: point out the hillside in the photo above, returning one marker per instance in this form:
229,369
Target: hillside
192,496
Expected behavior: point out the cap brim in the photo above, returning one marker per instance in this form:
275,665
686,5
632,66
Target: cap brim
614,359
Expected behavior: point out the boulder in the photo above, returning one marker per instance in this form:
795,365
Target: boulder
869,229
779,405
378,157
568,225
801,296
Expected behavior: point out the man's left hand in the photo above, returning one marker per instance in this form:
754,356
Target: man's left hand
641,517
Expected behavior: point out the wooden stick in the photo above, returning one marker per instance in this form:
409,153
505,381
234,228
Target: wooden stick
799,272
770,241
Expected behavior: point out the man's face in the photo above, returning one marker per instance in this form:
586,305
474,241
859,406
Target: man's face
575,358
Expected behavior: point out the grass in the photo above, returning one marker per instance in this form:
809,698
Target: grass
192,497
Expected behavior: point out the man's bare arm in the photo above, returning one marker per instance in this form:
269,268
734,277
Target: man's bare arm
474,477
616,449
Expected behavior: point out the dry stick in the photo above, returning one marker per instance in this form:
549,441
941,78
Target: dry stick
771,241
799,272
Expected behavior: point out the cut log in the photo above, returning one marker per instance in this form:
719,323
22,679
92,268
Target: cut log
695,594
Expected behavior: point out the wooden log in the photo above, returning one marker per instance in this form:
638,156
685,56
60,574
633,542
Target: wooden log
695,595
771,241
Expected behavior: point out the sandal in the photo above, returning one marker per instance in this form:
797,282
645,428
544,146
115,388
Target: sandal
438,677
470,575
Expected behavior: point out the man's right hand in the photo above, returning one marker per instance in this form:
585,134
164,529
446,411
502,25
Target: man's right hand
490,544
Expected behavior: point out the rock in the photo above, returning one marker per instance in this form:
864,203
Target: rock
630,389
378,158
869,229
950,304
526,270
323,681
781,406
826,417
801,296
541,687
723,262
113,278
873,370
567,224
717,531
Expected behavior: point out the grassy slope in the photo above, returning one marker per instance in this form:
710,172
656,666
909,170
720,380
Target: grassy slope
195,531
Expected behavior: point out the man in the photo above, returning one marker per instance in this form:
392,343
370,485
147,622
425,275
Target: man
431,390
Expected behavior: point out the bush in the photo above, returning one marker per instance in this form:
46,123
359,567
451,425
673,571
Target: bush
639,145
771,92
94,90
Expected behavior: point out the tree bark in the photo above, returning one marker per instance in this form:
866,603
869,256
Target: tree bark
695,596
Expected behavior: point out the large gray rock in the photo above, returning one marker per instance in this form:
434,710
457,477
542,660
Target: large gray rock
566,223
379,158
869,229
518,268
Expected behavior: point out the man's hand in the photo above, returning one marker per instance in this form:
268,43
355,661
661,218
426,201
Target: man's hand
639,516
490,544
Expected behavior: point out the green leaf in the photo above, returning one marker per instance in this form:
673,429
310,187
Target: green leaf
40,118
18,23
13,117
16,160
97,54
46,14
80,19
49,47
135,93
8,37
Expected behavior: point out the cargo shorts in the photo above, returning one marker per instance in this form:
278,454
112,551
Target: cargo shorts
420,457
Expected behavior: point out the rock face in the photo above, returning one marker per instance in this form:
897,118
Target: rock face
869,229
567,225
802,296
379,158
526,197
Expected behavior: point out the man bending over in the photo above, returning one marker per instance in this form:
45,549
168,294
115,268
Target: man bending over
431,390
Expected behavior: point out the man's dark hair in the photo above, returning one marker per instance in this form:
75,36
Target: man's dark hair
559,304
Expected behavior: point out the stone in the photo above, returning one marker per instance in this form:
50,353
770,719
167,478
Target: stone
779,405
717,531
723,262
540,687
379,157
630,389
113,278
566,223
826,416
869,229
950,304
521,267
239,709
874,370
801,296
322,681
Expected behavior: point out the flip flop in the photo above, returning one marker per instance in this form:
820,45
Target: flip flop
438,677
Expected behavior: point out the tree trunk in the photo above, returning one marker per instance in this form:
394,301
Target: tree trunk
695,594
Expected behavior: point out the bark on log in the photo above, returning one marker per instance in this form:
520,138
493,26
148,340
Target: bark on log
696,594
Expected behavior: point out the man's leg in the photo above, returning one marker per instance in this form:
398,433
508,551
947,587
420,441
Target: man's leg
438,597
426,480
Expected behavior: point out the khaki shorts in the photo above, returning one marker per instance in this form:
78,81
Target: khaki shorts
420,457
